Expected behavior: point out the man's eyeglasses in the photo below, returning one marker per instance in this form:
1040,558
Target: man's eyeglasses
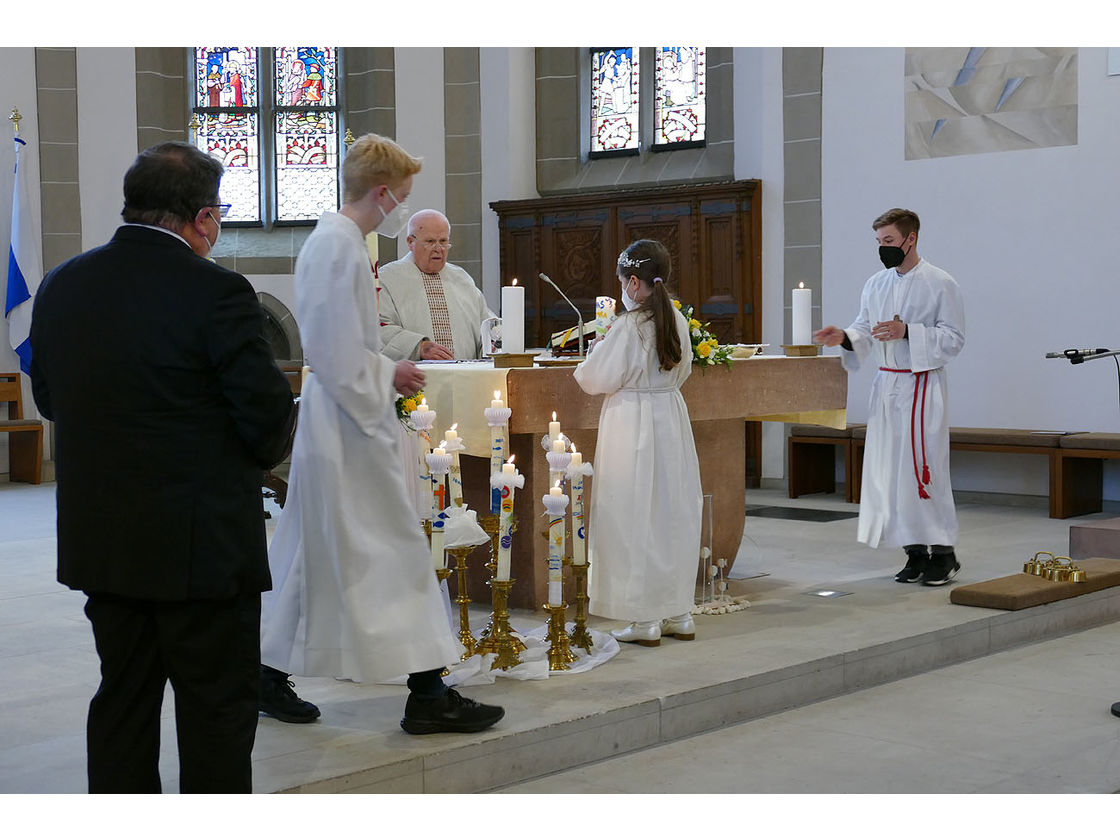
223,209
431,244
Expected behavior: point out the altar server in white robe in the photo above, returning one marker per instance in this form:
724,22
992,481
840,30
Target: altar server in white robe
646,499
354,592
430,309
910,325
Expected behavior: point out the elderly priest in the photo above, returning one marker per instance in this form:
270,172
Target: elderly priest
430,309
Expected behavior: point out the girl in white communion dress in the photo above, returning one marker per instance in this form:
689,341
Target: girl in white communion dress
646,499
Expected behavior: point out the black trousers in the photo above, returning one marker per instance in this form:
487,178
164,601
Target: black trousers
210,652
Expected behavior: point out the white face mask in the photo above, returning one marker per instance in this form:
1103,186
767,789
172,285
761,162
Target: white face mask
393,222
628,301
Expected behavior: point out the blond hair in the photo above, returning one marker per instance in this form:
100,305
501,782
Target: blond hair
374,160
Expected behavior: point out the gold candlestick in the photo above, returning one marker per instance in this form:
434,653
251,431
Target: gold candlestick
559,647
463,600
580,636
503,641
441,576
491,523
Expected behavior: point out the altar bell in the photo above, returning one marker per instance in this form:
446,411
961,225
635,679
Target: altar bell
646,500
910,325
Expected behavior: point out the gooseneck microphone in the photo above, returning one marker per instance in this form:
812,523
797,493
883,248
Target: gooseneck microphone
579,315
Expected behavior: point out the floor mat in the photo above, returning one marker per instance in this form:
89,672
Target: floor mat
800,514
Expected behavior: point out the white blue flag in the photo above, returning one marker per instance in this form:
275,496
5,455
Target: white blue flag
24,269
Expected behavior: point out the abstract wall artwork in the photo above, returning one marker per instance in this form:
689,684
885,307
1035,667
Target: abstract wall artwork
973,100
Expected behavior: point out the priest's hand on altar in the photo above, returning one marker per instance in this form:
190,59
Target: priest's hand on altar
431,350
829,336
408,378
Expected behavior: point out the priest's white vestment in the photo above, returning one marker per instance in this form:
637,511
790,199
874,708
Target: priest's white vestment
354,591
908,417
406,319
644,537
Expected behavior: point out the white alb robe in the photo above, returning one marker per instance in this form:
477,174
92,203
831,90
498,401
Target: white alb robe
644,537
406,319
891,508
354,590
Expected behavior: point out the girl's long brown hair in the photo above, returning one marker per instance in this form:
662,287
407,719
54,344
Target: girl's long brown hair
649,261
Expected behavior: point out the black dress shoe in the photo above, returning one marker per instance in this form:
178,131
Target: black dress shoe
278,698
451,713
1116,709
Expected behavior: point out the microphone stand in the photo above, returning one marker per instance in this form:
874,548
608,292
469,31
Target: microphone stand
579,315
1076,357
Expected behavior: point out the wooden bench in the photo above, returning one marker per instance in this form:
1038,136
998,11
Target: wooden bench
811,457
25,437
1079,472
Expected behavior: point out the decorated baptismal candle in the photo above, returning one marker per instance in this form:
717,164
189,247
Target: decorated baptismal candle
423,420
497,416
506,481
555,504
439,462
576,472
454,444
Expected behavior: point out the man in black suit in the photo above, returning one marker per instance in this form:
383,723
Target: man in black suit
167,406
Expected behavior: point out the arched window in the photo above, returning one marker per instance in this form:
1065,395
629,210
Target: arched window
271,116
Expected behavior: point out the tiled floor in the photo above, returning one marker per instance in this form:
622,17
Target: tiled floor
887,688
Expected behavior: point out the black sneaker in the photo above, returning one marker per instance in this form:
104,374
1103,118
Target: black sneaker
451,713
1116,709
278,699
916,563
942,569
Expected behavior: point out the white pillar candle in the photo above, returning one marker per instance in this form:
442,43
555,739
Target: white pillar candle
497,402
802,315
553,428
513,318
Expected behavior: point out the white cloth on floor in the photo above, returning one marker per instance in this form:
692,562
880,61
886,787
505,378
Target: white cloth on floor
891,508
644,524
354,592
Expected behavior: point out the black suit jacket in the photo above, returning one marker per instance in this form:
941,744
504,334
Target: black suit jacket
168,407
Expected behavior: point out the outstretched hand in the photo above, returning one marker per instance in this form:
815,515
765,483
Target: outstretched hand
829,336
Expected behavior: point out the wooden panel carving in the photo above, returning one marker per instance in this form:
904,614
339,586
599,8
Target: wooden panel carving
712,232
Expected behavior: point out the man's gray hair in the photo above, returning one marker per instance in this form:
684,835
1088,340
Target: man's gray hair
421,216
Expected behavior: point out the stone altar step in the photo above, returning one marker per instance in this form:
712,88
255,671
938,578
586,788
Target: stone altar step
1095,539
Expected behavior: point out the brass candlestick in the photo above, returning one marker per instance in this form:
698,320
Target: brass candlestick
502,640
487,641
559,647
463,600
580,636
441,576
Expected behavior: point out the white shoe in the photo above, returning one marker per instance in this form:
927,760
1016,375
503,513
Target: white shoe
645,633
681,626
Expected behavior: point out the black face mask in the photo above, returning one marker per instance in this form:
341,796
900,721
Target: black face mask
891,255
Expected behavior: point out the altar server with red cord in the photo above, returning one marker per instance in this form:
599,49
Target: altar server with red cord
910,325
646,499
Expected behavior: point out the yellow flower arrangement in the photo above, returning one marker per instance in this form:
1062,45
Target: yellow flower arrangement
405,407
706,349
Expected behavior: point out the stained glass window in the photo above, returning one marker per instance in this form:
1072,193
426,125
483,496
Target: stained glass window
614,101
306,132
678,93
277,105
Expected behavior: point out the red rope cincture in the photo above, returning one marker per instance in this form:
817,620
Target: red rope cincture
922,478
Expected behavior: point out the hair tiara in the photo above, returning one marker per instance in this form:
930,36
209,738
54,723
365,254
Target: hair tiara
627,261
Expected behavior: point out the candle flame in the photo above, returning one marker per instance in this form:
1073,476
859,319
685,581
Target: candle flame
573,443
554,416
510,459
559,481
514,283
442,444
801,285
454,426
497,395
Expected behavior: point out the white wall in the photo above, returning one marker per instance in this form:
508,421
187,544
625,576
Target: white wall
106,137
419,93
1027,234
758,154
508,120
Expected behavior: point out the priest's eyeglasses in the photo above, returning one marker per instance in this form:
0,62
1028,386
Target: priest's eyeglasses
432,244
